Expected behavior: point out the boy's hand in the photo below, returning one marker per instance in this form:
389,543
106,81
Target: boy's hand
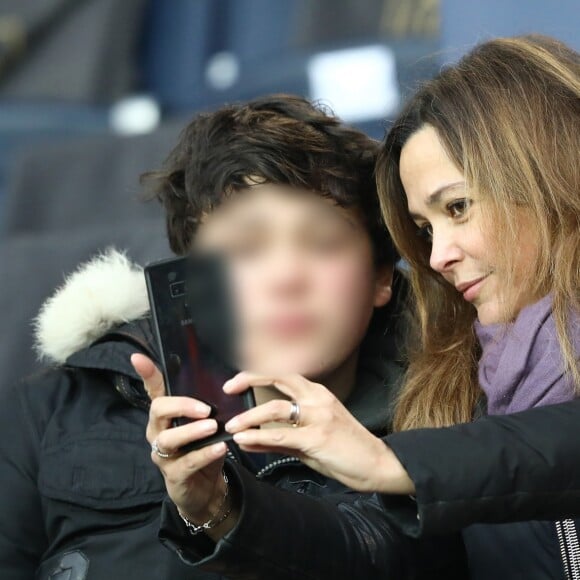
193,480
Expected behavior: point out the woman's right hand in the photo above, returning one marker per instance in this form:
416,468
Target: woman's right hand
193,480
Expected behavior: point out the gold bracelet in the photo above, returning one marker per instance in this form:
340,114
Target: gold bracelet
222,514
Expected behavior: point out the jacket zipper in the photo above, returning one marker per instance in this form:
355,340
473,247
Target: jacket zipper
275,464
569,548
231,456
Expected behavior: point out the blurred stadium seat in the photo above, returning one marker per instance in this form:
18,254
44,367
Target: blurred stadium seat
33,265
465,23
201,54
83,182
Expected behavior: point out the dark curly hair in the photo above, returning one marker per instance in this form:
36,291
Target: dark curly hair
279,139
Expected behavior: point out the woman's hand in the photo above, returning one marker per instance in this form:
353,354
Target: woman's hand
193,480
325,435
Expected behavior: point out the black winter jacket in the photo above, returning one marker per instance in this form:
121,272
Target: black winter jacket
498,469
79,495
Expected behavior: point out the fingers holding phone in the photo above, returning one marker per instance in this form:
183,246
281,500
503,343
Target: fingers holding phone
150,374
154,384
193,480
165,410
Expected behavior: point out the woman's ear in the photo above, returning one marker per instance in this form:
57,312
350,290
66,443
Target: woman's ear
383,286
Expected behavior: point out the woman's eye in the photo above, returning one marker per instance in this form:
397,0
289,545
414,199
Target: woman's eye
426,232
458,207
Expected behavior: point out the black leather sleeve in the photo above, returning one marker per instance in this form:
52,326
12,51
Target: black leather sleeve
495,470
283,535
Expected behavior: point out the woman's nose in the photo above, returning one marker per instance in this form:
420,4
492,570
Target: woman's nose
445,251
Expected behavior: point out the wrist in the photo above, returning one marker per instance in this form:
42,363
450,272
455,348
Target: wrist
393,477
215,513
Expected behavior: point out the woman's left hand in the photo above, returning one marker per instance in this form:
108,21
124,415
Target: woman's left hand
324,436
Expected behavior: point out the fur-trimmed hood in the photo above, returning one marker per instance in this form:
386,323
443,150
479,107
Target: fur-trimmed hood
101,294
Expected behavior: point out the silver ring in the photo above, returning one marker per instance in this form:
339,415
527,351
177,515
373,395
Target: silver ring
295,414
162,454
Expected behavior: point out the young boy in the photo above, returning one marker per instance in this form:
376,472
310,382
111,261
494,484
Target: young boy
287,193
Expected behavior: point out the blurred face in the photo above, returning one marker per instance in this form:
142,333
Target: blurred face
303,276
464,248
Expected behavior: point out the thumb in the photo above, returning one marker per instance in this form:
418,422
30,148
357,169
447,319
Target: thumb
150,374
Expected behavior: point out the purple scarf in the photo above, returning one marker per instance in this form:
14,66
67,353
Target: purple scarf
522,364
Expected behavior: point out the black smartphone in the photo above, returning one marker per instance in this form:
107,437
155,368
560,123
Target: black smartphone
195,326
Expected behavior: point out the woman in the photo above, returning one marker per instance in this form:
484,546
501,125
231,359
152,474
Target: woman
479,182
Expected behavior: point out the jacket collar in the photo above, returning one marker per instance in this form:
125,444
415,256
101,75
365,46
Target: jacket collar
113,351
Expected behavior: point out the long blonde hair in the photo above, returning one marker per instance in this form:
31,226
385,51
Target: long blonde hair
508,115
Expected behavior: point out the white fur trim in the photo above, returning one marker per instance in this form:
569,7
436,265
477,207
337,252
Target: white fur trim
100,294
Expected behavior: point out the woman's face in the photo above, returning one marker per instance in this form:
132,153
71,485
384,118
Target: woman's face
303,277
464,246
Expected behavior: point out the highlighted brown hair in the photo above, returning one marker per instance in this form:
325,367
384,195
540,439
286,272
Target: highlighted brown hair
508,115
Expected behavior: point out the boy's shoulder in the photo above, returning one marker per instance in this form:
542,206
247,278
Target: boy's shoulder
98,376
85,334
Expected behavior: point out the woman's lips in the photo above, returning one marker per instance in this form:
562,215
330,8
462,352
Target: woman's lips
471,289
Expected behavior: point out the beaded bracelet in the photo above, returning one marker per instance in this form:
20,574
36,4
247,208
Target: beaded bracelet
222,514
